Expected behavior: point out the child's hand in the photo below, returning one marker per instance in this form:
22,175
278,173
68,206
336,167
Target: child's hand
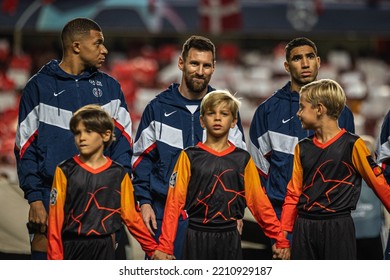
171,257
159,255
240,225
280,253
285,254
275,252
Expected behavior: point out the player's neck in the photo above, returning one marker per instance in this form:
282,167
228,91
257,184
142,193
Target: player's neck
71,68
187,93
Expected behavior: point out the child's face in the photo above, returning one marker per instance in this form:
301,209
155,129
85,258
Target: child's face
307,114
89,142
218,120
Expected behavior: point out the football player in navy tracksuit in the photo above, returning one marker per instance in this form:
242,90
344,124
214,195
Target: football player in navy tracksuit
49,99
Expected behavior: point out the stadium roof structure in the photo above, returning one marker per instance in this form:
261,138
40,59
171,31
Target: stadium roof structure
179,16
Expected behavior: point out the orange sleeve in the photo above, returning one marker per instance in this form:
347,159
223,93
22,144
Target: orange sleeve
371,172
133,219
175,203
260,206
55,249
294,191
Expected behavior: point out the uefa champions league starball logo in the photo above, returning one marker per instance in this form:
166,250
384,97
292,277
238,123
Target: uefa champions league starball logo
172,180
302,14
53,196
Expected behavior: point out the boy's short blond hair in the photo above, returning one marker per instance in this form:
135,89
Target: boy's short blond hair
327,92
216,97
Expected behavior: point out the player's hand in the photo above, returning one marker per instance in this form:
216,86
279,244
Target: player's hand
149,218
37,218
38,215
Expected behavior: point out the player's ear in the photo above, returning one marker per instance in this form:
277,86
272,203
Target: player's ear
180,63
76,47
286,67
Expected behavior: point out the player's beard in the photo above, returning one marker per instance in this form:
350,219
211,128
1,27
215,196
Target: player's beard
304,81
196,87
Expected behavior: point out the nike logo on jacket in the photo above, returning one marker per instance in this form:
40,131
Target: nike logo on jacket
58,93
168,114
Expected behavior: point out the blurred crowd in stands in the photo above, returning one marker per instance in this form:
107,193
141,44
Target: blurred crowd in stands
253,75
